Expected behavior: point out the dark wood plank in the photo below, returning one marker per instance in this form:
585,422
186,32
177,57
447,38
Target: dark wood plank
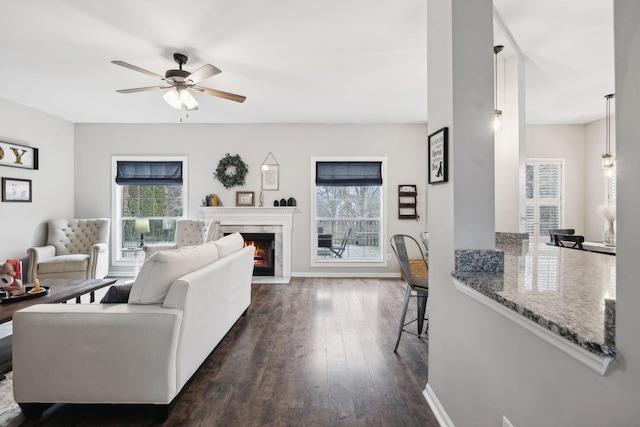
314,352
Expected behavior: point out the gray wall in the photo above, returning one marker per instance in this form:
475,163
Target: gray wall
292,145
24,224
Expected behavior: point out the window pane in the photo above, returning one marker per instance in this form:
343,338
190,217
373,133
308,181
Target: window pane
530,182
161,231
548,217
161,204
348,223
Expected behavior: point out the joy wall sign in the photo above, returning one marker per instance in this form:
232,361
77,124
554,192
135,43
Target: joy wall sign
19,156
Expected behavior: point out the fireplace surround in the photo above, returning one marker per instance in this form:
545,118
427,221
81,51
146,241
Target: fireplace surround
276,220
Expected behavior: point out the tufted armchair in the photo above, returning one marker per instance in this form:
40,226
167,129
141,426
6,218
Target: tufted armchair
189,232
76,249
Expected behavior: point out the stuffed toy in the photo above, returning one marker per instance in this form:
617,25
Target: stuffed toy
11,275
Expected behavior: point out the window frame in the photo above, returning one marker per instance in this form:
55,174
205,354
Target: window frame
332,262
116,199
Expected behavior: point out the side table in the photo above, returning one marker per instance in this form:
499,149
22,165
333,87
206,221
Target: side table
136,258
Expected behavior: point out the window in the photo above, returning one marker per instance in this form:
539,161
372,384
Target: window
543,198
348,208
152,188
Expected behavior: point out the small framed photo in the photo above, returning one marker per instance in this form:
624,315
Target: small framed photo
245,198
270,177
16,190
438,157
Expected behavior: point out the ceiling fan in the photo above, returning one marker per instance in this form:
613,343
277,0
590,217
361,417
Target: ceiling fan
180,82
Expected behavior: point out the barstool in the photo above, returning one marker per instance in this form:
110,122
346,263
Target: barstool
417,287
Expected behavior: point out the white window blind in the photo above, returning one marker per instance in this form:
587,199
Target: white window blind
543,204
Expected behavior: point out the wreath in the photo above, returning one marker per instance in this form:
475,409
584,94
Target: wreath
231,171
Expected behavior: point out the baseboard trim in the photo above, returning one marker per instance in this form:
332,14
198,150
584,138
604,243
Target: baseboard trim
348,275
436,407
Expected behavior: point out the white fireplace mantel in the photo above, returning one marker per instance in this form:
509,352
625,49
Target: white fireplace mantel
245,215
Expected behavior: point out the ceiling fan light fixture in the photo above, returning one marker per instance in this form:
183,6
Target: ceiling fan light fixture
172,98
188,100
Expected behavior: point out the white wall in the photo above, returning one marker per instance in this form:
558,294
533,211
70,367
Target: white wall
509,147
292,145
24,224
563,142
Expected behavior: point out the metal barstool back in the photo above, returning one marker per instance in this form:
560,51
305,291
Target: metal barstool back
417,287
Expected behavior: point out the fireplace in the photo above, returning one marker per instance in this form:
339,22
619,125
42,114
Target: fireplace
264,257
277,221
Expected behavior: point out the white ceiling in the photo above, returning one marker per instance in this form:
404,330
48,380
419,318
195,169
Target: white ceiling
357,61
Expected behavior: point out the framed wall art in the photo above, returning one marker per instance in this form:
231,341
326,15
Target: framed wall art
16,190
18,156
270,174
245,198
438,157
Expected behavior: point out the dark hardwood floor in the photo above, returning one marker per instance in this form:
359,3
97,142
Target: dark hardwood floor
316,352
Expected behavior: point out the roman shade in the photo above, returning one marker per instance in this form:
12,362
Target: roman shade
149,173
349,174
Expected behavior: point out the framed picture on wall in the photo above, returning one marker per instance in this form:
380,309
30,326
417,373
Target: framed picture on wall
438,157
270,177
16,190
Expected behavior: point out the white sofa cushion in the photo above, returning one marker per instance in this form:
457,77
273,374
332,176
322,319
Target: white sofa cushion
163,268
229,244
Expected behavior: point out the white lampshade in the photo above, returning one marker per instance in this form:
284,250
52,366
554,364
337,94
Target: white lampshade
141,226
188,100
172,98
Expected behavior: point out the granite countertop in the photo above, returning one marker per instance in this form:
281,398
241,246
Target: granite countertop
561,289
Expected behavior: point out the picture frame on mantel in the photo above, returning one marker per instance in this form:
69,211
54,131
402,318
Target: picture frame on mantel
438,156
16,190
245,198
18,156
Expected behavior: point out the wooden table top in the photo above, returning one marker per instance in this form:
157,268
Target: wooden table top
60,290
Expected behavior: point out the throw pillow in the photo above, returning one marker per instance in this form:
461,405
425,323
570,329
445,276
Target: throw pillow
117,294
229,244
161,269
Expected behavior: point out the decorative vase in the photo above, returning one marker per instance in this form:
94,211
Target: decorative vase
609,236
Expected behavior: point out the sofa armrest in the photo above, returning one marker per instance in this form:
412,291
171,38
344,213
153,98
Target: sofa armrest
36,255
88,353
152,249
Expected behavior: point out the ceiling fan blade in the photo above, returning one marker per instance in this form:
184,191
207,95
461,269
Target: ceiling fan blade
203,73
142,89
220,94
141,70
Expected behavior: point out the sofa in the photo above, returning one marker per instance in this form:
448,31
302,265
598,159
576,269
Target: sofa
142,351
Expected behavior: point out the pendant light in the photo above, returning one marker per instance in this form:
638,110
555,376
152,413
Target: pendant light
497,114
608,162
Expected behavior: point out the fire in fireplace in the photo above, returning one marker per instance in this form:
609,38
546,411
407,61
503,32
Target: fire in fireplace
263,259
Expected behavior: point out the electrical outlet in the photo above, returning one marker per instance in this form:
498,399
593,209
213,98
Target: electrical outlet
506,422
388,257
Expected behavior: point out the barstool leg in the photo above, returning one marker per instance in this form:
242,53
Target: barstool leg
422,308
407,297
